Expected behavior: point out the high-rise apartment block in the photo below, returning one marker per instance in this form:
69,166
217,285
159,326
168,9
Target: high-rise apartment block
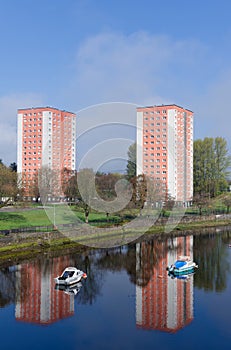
46,139
165,148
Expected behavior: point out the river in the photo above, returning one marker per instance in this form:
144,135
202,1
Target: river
128,301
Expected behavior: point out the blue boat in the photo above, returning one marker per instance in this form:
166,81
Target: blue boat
182,265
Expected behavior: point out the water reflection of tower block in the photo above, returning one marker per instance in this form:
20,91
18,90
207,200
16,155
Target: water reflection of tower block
37,301
161,302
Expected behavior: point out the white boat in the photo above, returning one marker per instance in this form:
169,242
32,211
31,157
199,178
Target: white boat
182,265
69,276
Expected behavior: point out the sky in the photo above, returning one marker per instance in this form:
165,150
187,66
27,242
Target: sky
75,54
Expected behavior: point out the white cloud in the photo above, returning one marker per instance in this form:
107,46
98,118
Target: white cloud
139,68
8,122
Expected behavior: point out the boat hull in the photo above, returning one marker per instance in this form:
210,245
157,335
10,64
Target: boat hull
67,281
176,271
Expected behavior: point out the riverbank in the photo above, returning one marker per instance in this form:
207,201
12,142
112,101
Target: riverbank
17,247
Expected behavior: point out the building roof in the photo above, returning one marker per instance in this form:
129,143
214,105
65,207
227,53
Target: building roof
168,105
46,107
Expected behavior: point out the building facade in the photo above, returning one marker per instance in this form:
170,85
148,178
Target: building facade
46,140
165,148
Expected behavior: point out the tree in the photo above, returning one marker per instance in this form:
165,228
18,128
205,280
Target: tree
227,202
222,163
106,188
86,190
8,184
131,164
48,183
211,162
105,185
146,191
70,188
34,187
139,196
201,201
13,167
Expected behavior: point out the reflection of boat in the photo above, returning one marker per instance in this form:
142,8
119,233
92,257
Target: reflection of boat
71,289
182,265
70,275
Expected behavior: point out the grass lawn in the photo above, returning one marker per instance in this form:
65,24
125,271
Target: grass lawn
9,220
40,217
62,214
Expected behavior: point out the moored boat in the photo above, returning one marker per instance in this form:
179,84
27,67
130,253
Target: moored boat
182,265
70,275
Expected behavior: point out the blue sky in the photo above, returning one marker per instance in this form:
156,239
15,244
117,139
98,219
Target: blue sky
73,54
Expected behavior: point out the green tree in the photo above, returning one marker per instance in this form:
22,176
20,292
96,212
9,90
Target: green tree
222,164
227,202
211,164
131,164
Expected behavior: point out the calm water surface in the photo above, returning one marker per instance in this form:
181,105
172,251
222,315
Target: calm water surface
128,300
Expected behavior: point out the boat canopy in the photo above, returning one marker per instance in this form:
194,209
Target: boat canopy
179,264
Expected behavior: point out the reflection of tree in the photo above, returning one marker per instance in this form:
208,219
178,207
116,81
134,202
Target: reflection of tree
93,283
118,259
7,287
211,255
138,260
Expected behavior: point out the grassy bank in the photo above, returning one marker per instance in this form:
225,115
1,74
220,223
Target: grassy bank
52,244
31,244
16,252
